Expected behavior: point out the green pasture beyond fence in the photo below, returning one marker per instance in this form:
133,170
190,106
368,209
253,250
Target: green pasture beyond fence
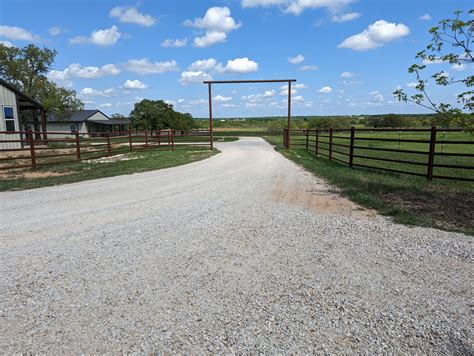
432,153
26,149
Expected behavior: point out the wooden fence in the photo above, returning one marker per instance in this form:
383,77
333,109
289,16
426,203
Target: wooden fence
432,153
26,149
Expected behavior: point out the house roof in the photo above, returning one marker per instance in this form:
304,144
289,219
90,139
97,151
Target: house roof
76,116
24,101
111,122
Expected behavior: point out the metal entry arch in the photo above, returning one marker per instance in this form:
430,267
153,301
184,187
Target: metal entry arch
289,81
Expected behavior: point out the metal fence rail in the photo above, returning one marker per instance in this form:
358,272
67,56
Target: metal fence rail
428,153
27,149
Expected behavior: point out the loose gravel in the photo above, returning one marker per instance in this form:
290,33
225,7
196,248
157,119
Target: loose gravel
244,251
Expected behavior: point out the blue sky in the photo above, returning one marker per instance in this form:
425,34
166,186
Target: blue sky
347,56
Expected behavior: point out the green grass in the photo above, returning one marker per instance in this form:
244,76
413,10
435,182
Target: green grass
139,161
409,200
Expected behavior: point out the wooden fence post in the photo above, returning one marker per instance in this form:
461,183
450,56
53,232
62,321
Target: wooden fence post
429,173
317,142
108,143
32,150
285,137
78,147
307,133
351,149
330,143
146,139
172,139
159,137
130,139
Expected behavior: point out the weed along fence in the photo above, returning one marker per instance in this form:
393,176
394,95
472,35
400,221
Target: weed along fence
26,149
432,153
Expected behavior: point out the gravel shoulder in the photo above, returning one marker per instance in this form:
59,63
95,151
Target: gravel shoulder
244,251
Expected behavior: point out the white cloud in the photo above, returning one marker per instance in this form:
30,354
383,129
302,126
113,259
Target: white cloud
308,68
325,90
105,106
296,60
174,43
434,61
376,96
412,84
131,15
459,67
257,97
284,91
347,75
105,38
425,17
55,30
6,43
345,17
229,105
134,84
63,77
93,92
17,33
144,66
216,23
221,98
194,77
300,86
198,101
203,64
296,7
376,35
238,66
263,3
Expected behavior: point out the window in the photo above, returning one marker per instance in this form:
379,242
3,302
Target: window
73,129
9,118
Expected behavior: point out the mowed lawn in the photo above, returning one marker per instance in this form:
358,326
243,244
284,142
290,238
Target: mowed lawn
408,199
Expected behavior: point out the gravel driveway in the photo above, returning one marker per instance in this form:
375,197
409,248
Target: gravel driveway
244,251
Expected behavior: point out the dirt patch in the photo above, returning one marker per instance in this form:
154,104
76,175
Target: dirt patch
317,196
32,174
448,210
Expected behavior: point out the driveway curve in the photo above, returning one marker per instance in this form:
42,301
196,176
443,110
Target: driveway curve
244,251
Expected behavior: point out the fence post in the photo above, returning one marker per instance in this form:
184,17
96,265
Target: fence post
32,150
159,137
317,142
108,143
146,139
429,173
130,139
78,147
351,149
285,137
172,139
307,133
330,143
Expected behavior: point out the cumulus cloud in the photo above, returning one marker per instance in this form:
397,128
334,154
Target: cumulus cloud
325,90
376,96
221,98
103,93
296,7
216,23
257,97
174,43
6,43
308,68
376,35
412,84
134,84
105,38
194,77
55,30
296,60
300,86
63,77
347,75
144,66
131,15
425,17
238,66
203,65
17,33
345,17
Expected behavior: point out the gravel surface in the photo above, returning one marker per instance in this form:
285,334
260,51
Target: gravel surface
244,251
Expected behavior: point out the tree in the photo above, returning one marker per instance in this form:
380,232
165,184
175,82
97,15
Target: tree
158,115
450,43
27,69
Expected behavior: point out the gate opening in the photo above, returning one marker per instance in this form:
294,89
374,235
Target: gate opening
289,81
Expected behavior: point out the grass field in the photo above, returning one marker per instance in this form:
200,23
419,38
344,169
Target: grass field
125,163
407,199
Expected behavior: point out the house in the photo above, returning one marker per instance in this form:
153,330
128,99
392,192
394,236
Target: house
13,103
86,122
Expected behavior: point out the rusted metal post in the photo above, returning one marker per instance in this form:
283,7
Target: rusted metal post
109,149
431,155
210,116
330,143
288,143
307,138
351,149
317,142
130,139
78,147
32,149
